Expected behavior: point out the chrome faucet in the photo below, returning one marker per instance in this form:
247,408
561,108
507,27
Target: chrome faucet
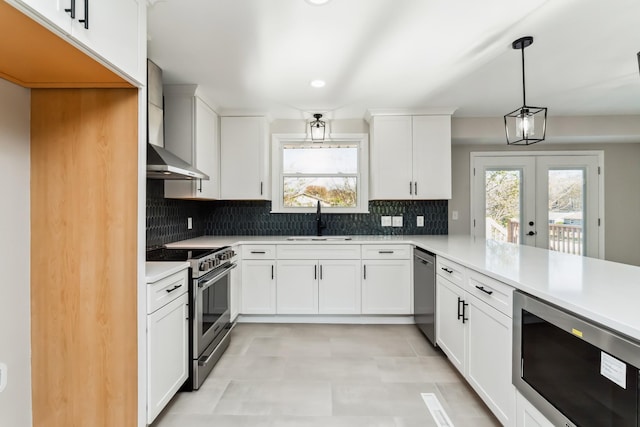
319,223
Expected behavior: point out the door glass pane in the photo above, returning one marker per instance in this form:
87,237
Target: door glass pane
566,210
503,189
329,191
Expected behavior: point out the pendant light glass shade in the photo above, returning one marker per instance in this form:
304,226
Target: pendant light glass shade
317,128
525,125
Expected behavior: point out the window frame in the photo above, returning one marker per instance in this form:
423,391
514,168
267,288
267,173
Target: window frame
278,141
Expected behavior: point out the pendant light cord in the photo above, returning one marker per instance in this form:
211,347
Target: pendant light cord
524,92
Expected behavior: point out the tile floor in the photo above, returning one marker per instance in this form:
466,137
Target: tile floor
307,375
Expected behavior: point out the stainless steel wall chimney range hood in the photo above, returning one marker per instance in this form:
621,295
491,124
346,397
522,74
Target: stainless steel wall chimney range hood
161,163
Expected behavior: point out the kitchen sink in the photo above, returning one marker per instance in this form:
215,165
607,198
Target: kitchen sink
319,238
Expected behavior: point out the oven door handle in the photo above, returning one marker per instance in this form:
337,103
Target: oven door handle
217,276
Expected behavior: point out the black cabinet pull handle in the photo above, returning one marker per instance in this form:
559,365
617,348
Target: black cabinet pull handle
410,188
258,252
261,188
320,271
85,21
173,289
531,233
365,272
72,9
460,314
200,187
315,272
272,272
415,185
486,291
446,269
464,311
385,252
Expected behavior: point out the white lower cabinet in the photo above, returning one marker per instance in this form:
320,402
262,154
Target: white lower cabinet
489,358
318,287
527,415
339,287
451,332
297,287
476,337
386,287
258,292
167,353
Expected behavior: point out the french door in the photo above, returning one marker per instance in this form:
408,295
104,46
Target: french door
548,200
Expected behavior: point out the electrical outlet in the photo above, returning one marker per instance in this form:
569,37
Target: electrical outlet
189,223
385,221
454,215
396,221
420,221
3,377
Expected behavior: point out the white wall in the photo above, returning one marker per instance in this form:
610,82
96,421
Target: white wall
15,339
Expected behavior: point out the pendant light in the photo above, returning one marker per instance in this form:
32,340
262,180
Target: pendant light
525,125
317,128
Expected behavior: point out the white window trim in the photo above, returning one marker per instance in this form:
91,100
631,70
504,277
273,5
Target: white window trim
277,142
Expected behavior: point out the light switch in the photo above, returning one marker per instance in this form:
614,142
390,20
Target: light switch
420,221
189,223
454,215
397,221
385,221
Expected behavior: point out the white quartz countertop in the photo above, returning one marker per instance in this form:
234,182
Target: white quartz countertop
602,291
158,270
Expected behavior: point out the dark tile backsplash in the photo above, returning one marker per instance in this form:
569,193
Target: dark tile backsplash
167,218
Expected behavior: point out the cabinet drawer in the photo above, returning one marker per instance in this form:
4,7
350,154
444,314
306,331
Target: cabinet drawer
451,270
497,294
386,252
319,251
258,251
165,290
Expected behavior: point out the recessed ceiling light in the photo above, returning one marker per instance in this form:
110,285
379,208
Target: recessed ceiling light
317,83
317,2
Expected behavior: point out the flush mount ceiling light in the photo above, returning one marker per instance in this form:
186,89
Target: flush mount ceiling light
317,83
317,127
525,125
317,2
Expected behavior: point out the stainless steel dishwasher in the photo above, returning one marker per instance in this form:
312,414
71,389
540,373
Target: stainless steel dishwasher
424,292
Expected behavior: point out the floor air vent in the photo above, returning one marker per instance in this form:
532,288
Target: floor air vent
437,412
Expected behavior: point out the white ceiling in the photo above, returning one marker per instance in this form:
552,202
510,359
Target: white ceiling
260,55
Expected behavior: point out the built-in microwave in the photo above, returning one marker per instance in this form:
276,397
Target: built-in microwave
575,372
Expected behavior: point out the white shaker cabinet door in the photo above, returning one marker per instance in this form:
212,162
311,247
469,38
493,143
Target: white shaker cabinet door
244,159
386,287
391,153
339,287
432,157
450,330
297,287
167,353
258,287
117,31
489,358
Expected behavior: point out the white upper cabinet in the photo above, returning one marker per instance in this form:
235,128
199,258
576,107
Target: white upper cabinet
113,31
191,133
410,157
245,166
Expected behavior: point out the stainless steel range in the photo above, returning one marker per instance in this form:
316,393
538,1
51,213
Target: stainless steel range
209,314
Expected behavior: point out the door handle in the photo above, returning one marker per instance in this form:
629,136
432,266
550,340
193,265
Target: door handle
85,21
72,9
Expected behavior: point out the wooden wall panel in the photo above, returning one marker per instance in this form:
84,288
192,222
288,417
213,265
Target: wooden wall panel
84,146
